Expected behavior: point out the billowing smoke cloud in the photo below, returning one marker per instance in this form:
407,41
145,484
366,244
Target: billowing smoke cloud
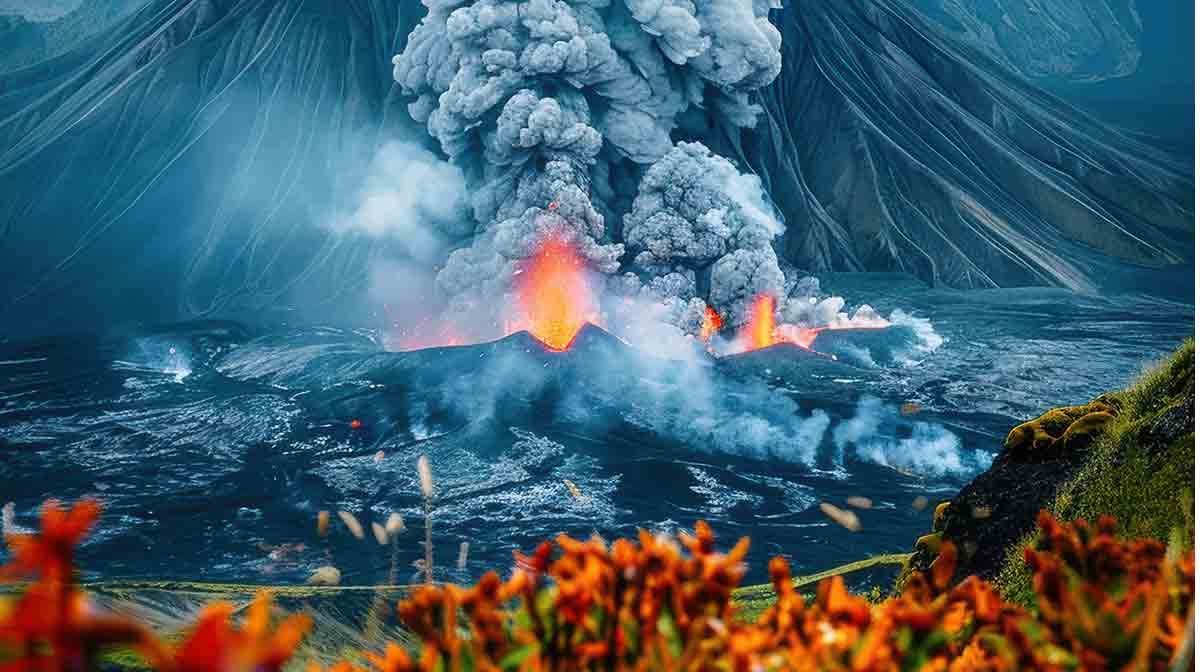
930,449
415,206
411,197
549,102
697,219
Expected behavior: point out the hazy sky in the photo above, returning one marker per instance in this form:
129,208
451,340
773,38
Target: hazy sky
39,10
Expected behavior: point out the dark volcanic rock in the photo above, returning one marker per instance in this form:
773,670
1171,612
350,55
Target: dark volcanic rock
1010,494
1000,506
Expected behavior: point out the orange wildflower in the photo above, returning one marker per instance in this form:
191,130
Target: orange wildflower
658,603
216,645
51,551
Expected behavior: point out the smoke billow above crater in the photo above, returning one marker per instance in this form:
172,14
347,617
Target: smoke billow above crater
695,153
562,114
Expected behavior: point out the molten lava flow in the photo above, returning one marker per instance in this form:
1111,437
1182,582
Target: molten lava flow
797,335
759,332
554,293
711,325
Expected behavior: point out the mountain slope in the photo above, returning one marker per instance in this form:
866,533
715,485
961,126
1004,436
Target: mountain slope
183,163
888,147
175,163
1078,40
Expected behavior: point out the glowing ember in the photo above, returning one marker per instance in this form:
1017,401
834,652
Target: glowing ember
554,293
711,325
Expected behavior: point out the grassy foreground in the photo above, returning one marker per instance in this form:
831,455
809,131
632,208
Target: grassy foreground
656,603
343,608
1140,469
751,601
346,619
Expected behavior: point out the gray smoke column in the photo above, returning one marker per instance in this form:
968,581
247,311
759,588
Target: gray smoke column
697,217
548,104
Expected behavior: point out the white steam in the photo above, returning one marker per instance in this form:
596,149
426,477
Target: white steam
748,419
928,340
930,449
606,389
412,198
415,207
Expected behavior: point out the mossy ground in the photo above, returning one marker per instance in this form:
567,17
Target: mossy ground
753,600
1141,469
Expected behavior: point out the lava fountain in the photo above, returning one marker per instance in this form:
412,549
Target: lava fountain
555,294
761,330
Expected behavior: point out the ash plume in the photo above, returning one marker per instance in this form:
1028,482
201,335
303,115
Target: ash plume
551,104
696,217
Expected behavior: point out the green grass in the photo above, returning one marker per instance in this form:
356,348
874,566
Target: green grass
345,619
753,600
1148,488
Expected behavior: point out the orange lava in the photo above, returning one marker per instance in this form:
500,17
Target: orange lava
801,336
760,332
554,293
711,325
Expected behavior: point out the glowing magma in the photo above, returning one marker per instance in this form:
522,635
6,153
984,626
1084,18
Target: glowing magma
711,325
761,331
554,293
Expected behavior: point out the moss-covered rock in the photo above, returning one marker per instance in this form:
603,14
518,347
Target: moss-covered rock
1127,453
1141,468
930,543
1059,430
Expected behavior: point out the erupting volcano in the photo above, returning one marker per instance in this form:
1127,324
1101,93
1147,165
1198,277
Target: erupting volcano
762,331
555,294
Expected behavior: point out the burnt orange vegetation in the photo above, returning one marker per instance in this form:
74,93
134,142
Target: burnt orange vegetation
660,603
